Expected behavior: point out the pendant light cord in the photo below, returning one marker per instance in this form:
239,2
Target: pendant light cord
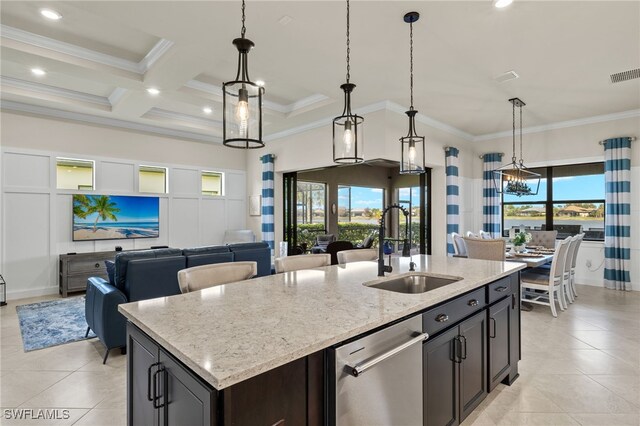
513,143
348,46
411,61
244,29
521,155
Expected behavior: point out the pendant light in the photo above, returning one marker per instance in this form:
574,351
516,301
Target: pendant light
348,135
515,178
412,155
242,101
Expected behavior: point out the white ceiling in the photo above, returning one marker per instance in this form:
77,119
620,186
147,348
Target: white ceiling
101,56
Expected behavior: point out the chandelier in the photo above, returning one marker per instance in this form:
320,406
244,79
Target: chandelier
515,178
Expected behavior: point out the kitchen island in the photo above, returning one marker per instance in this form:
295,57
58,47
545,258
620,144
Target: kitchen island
259,351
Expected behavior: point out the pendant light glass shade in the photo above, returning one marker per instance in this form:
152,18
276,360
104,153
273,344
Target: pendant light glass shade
242,102
348,132
412,161
515,178
412,145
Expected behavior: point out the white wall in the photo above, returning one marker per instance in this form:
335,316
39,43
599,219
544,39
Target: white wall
313,149
36,222
574,145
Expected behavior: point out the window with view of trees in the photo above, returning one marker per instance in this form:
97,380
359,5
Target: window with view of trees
571,199
359,210
311,211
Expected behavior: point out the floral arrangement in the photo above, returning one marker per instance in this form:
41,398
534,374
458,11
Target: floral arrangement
521,238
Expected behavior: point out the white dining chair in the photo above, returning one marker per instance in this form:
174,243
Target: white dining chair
205,276
470,234
459,247
305,261
356,255
572,281
485,235
543,289
566,279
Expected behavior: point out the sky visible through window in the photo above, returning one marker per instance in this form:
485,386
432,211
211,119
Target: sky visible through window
586,187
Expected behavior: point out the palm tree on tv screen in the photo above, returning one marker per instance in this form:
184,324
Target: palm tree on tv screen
105,209
81,206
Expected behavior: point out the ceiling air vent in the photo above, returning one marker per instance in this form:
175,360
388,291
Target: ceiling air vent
509,75
625,75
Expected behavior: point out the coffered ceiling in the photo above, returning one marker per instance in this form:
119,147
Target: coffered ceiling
101,56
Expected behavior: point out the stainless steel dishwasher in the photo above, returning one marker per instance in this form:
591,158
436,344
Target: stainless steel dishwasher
378,379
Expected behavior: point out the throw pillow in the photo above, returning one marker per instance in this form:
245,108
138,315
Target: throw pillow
111,271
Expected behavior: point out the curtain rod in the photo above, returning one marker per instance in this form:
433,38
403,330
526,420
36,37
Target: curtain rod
633,138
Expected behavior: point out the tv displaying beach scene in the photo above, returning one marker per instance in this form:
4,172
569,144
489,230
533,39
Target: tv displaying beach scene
113,217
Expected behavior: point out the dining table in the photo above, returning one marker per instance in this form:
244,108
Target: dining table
532,261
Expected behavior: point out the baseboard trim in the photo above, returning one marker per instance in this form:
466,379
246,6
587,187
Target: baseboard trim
24,294
600,283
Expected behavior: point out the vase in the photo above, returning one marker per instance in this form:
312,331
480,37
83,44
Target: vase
518,248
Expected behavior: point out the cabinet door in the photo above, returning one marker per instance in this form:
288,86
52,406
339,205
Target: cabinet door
499,341
440,369
185,400
473,368
142,355
277,397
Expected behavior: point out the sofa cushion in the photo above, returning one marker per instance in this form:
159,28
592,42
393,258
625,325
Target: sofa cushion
207,259
111,270
122,259
150,278
248,246
205,250
262,256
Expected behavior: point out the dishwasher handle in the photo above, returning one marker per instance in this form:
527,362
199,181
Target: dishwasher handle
361,368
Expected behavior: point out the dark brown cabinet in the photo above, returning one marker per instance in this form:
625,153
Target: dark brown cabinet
454,367
499,341
161,391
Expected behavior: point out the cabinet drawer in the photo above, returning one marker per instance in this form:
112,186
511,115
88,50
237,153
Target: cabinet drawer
450,313
79,282
499,289
86,266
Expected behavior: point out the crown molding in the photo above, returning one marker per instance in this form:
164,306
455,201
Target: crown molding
105,121
116,95
562,125
156,52
160,48
163,113
44,89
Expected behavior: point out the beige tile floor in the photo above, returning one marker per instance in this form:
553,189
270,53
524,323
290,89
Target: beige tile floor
582,368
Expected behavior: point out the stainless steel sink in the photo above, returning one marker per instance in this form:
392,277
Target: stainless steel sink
413,283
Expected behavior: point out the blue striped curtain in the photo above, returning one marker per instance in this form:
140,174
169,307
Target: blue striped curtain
268,228
491,221
453,192
617,225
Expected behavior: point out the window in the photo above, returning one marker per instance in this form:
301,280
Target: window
409,198
74,174
571,200
359,210
152,179
212,183
311,211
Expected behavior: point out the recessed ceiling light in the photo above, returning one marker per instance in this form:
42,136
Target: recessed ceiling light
153,91
502,3
285,20
260,83
207,110
38,71
50,14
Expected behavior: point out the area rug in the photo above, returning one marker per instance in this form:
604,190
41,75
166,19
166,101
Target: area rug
52,323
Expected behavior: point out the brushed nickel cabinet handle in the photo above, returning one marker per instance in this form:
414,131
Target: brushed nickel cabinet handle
442,318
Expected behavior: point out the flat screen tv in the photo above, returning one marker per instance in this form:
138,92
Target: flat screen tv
114,217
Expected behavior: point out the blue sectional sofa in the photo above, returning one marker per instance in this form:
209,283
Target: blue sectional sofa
147,274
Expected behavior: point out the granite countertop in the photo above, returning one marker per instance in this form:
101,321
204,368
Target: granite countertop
229,333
